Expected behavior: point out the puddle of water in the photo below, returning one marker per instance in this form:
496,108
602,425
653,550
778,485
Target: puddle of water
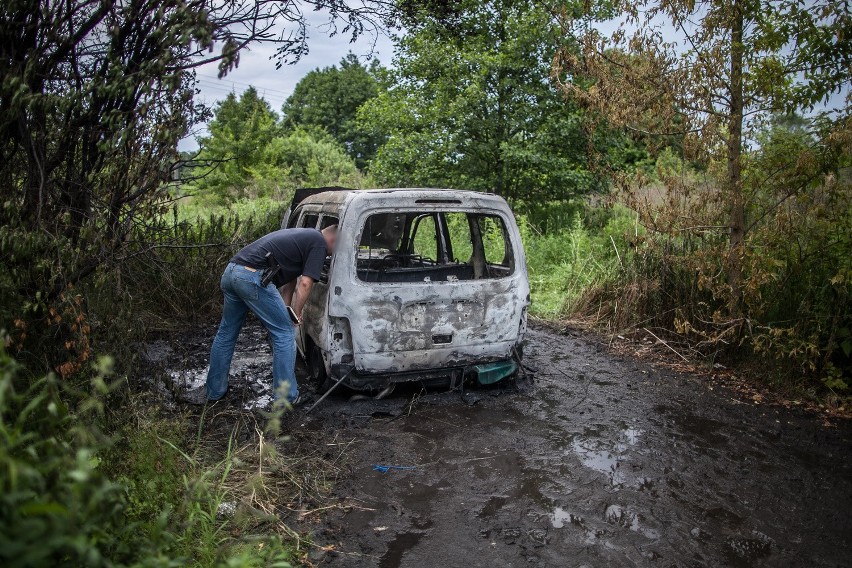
190,379
647,532
560,517
614,514
401,543
260,403
604,454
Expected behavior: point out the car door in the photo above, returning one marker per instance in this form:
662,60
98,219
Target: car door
314,315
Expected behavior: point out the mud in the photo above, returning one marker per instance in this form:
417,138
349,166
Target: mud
599,461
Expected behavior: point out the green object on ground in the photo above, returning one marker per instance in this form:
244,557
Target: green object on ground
490,373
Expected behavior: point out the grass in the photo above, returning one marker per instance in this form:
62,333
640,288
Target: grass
194,209
224,486
566,261
203,499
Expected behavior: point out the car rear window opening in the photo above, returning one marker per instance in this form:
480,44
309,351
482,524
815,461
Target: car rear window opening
449,246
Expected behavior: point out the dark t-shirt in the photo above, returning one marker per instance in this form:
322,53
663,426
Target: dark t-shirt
297,251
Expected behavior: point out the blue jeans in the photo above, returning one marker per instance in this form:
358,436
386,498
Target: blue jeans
243,292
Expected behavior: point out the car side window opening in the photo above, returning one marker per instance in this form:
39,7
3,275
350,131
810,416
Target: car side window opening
293,219
419,246
308,220
327,221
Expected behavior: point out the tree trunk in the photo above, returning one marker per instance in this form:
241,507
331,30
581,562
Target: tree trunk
736,217
500,164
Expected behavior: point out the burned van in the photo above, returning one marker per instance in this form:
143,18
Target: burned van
425,284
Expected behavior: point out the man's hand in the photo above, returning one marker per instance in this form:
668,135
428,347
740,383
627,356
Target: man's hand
300,296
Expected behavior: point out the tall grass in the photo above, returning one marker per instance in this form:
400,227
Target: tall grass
566,260
606,270
173,282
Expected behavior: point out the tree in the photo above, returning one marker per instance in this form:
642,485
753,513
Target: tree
248,154
328,99
763,232
303,159
734,64
239,135
94,97
469,104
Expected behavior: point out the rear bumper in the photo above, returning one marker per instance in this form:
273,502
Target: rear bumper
438,376
435,358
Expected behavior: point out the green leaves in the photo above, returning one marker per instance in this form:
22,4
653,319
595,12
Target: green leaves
249,154
239,134
328,100
55,505
472,106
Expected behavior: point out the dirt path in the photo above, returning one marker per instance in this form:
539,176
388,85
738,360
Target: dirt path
601,461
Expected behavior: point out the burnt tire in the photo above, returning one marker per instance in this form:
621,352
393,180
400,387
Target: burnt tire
316,370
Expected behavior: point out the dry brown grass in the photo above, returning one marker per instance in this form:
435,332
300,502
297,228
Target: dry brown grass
278,479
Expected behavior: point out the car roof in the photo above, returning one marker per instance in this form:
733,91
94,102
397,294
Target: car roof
339,195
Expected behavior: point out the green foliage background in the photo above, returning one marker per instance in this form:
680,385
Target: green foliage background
471,106
327,100
250,154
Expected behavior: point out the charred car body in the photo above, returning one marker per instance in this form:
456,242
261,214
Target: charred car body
424,284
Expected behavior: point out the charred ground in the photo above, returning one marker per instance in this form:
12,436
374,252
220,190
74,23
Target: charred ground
600,460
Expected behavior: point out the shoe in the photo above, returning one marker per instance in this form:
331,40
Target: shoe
196,396
280,405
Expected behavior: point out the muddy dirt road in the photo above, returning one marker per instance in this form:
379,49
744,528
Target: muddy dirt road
600,461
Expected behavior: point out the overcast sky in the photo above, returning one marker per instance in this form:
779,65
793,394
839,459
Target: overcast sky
275,85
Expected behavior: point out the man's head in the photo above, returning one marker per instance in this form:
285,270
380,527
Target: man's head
330,234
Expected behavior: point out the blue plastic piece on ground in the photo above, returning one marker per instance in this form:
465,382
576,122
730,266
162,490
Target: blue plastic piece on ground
387,468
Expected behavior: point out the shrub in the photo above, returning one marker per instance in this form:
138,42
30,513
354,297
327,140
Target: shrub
58,508
71,495
572,257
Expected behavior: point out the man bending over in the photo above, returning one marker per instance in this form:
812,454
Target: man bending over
300,254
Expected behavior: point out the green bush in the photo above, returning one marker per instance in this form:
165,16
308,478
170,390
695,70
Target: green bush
71,495
58,507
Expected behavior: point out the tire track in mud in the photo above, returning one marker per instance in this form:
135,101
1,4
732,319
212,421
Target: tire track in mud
603,460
